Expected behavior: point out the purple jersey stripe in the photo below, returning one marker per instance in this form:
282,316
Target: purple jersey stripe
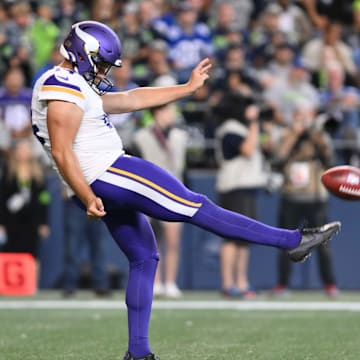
56,80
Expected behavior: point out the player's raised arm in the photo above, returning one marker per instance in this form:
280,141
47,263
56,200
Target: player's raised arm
147,97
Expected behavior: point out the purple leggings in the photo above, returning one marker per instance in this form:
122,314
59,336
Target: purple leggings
132,187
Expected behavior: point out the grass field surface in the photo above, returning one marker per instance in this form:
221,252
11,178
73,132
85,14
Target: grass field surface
200,326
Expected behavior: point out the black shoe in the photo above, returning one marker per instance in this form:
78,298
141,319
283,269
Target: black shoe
312,238
150,356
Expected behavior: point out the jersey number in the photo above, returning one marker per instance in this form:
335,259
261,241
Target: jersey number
36,131
106,121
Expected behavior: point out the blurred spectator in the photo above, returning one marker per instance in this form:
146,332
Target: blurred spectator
323,11
266,26
304,151
225,16
319,52
15,103
236,81
235,57
160,73
122,76
66,13
130,32
234,65
202,7
21,19
6,50
159,18
43,35
294,22
189,37
105,12
152,24
154,20
232,72
242,10
223,41
156,70
240,176
352,38
80,235
5,144
225,30
24,201
148,14
164,144
279,67
262,50
283,95
198,114
340,108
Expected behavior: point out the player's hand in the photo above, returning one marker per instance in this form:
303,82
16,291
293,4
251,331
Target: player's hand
95,209
200,74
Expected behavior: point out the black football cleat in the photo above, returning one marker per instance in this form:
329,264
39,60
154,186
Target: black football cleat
312,238
150,356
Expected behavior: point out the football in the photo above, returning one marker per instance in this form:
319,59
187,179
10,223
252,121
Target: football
343,181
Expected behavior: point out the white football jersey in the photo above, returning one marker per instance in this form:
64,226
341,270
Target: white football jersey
97,144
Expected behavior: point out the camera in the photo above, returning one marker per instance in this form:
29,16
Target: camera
266,113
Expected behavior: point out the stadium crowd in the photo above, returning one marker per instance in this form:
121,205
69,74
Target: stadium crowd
276,56
274,53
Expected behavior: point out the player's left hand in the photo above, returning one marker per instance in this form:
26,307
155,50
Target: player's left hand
200,74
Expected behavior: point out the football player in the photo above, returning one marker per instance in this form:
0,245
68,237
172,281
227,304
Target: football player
69,115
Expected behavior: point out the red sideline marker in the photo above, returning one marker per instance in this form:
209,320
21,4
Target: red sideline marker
17,274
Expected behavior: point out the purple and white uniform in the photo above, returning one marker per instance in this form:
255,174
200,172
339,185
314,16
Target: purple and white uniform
131,187
97,143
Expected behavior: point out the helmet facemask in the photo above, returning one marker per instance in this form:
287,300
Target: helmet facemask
96,75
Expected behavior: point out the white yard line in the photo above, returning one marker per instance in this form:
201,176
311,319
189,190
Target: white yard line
183,305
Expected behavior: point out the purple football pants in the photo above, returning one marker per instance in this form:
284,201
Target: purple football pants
132,187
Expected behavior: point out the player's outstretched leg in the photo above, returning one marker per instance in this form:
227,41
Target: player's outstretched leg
140,185
299,243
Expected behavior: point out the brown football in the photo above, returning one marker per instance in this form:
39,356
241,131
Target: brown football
343,181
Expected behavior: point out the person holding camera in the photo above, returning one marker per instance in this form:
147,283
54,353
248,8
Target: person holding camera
240,176
304,151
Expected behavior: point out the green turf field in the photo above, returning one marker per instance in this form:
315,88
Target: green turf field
87,329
